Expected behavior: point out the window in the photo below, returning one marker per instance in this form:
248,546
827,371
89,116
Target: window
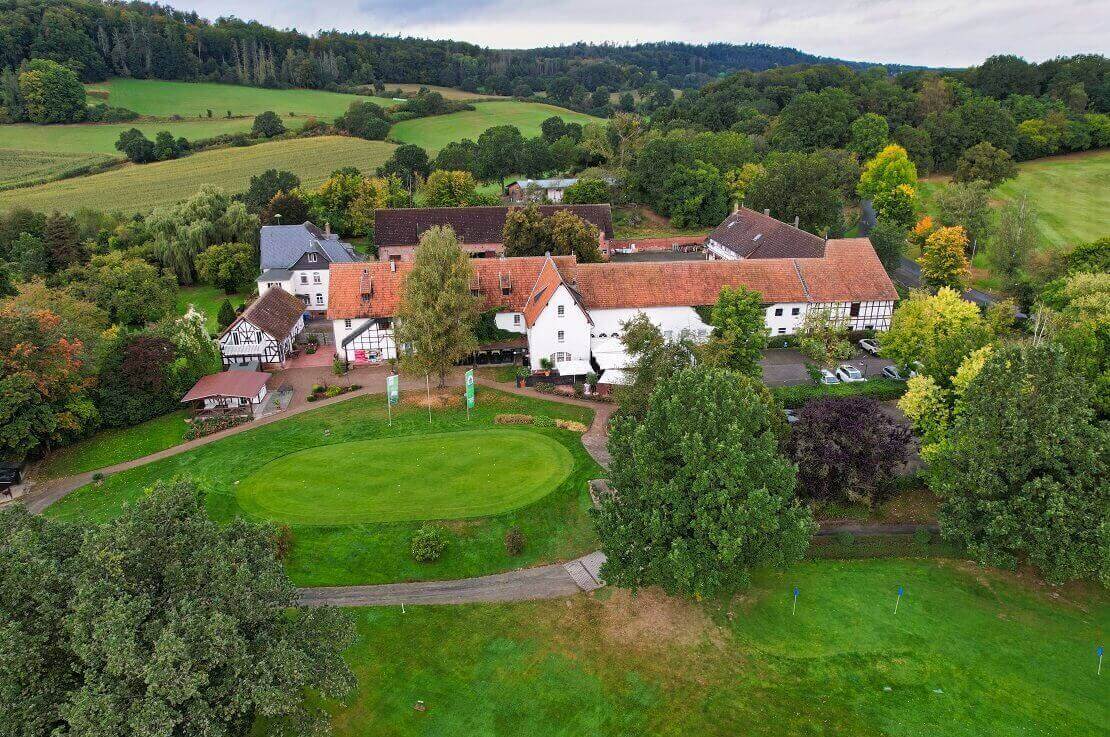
782,331
347,324
868,327
304,278
319,299
312,258
795,310
258,337
854,312
516,319
315,277
778,312
562,310
562,335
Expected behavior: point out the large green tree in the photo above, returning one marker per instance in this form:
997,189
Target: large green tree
528,232
498,153
263,187
438,314
160,622
935,333
703,493
967,204
1024,475
889,240
183,230
696,196
739,331
409,163
887,170
129,290
983,162
230,266
799,185
51,93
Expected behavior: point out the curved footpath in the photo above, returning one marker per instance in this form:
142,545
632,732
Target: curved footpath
540,582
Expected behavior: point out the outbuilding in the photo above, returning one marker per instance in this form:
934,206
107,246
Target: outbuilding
229,390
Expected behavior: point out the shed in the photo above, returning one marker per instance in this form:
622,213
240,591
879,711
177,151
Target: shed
229,389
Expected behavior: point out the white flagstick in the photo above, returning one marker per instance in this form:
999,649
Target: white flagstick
898,600
402,607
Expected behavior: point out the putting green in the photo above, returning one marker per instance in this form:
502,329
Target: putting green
440,476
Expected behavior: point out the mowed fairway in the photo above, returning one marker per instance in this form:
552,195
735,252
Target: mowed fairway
971,652
139,188
437,131
1072,195
443,476
162,99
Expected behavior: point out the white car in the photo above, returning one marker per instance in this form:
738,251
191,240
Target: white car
827,377
791,416
870,346
848,373
891,372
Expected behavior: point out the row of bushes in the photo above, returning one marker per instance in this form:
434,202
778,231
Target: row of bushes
323,391
881,389
429,542
200,428
539,421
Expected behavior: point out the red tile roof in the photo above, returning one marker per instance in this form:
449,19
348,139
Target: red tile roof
751,234
348,282
245,384
403,226
275,312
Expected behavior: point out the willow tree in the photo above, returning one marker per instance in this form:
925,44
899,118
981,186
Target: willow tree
438,313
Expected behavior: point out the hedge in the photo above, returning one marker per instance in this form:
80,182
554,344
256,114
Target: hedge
882,389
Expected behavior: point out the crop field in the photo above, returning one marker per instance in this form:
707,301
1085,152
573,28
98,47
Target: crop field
436,132
162,99
449,93
139,188
102,137
19,168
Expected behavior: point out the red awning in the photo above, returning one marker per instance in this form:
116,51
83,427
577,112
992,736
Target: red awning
243,384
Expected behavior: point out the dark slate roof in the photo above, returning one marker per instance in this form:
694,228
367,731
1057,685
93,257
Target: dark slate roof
751,234
275,312
275,275
282,245
404,226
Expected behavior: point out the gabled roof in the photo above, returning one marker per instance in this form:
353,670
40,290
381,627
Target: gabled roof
347,283
404,226
243,384
276,313
751,234
281,246
545,183
547,283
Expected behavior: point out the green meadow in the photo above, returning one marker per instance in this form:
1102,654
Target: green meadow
437,131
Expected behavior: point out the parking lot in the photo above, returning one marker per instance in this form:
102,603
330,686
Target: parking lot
784,367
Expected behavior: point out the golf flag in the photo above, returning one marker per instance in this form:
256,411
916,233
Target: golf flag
393,389
899,599
470,389
1099,652
795,609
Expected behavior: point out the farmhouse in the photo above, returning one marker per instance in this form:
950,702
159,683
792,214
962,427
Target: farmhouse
479,229
265,331
573,314
296,258
749,234
539,190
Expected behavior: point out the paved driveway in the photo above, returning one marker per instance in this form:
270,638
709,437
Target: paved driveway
787,367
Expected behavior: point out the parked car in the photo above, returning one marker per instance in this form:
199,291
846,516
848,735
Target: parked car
891,372
869,345
827,377
848,373
791,416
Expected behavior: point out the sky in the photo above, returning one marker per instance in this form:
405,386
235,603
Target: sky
924,32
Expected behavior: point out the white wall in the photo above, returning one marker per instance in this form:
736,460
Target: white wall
670,320
317,293
543,336
787,323
264,285
373,340
511,321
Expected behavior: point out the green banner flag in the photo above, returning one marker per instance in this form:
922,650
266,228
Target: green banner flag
393,389
470,389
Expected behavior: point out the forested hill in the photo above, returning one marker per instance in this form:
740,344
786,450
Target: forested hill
134,39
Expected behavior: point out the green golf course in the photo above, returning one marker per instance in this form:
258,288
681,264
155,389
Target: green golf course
440,476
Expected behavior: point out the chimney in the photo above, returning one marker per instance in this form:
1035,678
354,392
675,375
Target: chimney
327,228
767,212
797,219
735,206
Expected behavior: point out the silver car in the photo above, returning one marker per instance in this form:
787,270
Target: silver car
870,346
848,373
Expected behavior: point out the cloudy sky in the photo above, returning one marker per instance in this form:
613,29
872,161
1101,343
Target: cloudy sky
927,32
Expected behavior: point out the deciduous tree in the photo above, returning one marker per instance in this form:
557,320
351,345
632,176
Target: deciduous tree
265,186
587,191
898,206
129,290
984,162
267,125
408,163
231,267
888,169
1017,237
869,134
966,204
933,334
696,196
438,314
50,92
498,154
702,492
799,185
823,336
944,261
739,331
183,230
450,189
889,240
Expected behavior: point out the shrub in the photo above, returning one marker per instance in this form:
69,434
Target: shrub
881,389
333,391
922,537
844,538
317,388
428,544
283,541
98,477
514,541
543,421
571,425
511,419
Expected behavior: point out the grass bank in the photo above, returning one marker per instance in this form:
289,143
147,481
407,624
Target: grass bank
437,131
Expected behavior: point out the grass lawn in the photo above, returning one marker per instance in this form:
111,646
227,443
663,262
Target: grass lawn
140,188
109,447
971,652
159,98
555,526
452,475
449,93
206,299
437,131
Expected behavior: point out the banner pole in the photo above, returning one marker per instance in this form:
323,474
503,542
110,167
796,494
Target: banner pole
428,384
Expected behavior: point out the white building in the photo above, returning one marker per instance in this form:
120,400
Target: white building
573,314
264,333
749,234
296,258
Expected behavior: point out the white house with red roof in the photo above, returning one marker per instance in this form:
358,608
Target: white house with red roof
573,314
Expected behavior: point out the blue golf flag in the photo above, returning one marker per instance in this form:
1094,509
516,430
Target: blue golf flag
1099,651
901,591
795,591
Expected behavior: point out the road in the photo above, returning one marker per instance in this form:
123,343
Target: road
908,274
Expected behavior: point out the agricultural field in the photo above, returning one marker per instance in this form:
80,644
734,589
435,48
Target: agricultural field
349,526
20,168
163,99
102,137
1070,193
449,93
139,188
970,652
436,132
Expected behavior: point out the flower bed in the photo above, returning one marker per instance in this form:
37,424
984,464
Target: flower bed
323,391
200,428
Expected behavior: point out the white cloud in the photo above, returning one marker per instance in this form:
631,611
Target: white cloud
930,32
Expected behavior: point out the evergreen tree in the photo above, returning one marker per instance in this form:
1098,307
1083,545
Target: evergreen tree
226,315
61,242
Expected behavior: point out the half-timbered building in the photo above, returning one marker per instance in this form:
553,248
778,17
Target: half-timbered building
264,333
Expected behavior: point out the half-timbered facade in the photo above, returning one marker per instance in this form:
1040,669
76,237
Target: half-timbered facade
265,332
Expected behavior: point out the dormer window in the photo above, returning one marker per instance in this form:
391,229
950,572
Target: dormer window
475,285
313,258
506,282
366,286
